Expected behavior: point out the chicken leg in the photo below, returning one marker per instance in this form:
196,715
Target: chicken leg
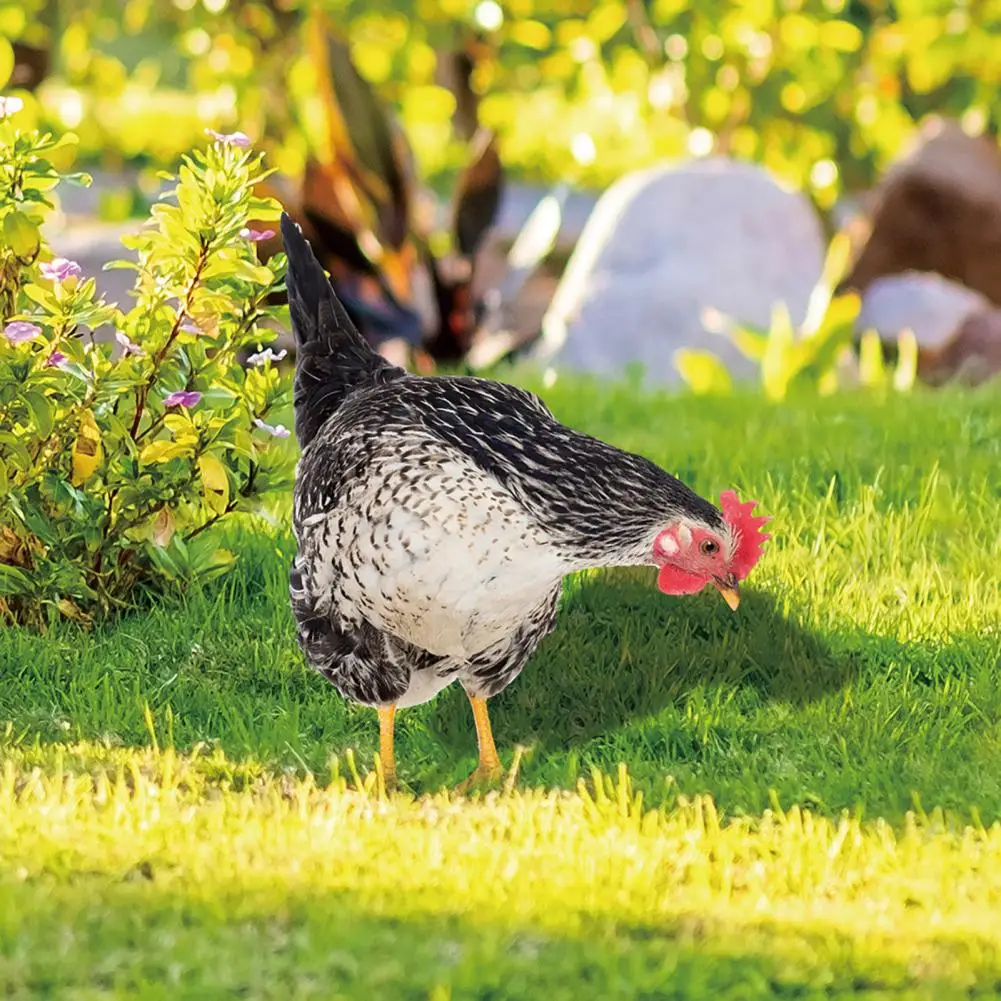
489,769
387,718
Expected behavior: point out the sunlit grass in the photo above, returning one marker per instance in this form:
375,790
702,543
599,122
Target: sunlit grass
191,847
860,674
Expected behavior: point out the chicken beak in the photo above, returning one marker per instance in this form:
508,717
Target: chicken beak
730,590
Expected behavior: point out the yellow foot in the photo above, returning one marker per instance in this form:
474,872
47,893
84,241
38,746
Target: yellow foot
484,777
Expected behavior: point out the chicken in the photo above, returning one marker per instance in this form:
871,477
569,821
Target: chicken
437,516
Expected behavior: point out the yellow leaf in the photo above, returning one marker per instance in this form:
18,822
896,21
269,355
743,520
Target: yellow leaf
827,384
20,234
838,257
62,155
11,547
606,19
872,366
216,482
72,611
6,61
163,528
777,363
703,372
181,426
164,451
842,36
798,32
906,372
531,34
87,450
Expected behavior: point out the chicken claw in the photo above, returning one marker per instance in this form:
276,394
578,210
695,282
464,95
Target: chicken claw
483,777
490,770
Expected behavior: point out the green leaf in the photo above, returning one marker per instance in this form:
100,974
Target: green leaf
219,398
226,264
36,196
76,370
42,296
242,444
264,209
41,410
14,582
16,449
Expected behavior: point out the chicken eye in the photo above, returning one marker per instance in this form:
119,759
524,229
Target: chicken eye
709,547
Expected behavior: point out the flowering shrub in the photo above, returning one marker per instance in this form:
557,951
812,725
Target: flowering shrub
127,436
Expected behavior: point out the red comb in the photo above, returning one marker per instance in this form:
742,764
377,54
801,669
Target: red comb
746,530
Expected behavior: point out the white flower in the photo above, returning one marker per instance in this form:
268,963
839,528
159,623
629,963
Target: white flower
266,355
275,430
10,106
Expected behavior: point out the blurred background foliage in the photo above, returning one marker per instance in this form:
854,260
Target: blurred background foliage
823,92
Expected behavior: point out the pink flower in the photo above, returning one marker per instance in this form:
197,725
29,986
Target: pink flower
55,359
20,331
59,269
10,106
183,398
266,355
129,347
275,430
240,139
256,235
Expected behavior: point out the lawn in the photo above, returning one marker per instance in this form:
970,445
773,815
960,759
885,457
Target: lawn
180,813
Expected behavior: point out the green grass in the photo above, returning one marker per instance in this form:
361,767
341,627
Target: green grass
862,673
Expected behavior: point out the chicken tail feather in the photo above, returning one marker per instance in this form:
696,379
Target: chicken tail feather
332,357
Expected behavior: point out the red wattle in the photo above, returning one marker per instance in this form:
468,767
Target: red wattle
671,580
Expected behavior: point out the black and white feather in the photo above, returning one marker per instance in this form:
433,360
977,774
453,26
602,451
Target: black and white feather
437,516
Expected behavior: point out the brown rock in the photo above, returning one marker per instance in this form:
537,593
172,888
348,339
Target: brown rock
971,357
938,209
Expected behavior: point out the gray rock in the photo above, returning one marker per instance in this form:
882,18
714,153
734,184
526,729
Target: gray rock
932,306
518,201
666,243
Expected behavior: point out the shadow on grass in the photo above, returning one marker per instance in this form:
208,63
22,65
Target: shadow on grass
737,705
622,652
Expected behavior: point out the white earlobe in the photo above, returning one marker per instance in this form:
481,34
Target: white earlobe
668,546
685,535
